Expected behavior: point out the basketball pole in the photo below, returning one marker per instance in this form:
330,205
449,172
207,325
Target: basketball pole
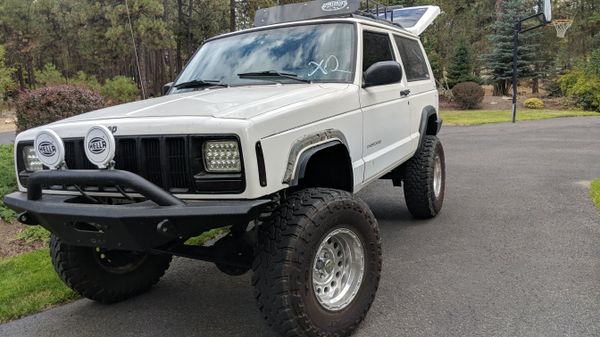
515,76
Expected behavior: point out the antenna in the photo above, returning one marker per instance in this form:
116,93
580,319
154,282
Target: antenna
137,59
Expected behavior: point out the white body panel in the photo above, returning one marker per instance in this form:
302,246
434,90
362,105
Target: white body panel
278,116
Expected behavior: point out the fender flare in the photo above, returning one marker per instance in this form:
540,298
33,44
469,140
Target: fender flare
304,148
425,128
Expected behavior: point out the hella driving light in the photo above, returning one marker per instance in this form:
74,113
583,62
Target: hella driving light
32,163
222,156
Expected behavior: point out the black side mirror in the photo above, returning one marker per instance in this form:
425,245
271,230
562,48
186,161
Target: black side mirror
382,73
166,88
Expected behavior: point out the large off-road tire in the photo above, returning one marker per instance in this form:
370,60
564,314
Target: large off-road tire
318,264
106,276
425,179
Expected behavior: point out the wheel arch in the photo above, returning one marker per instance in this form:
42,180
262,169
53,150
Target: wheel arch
430,124
326,148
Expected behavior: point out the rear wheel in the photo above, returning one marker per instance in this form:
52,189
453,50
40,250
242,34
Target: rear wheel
106,276
318,264
425,179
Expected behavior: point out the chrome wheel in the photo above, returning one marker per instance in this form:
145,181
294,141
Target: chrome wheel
437,176
338,269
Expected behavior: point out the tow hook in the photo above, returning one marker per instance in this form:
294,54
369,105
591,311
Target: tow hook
166,228
26,219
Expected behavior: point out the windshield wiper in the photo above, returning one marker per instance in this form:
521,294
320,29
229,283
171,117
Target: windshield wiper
272,74
200,84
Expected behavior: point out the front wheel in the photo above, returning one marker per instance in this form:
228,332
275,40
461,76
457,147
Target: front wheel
425,179
106,276
318,264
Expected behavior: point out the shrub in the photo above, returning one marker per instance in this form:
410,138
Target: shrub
8,181
583,87
534,103
46,105
468,95
119,89
553,89
49,76
89,82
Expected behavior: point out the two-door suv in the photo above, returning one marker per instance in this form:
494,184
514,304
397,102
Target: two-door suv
268,132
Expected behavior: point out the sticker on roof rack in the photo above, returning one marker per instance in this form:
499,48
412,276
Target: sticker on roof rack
305,11
334,5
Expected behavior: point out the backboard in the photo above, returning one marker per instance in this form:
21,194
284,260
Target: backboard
545,7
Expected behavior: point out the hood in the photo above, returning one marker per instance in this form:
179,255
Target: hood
233,103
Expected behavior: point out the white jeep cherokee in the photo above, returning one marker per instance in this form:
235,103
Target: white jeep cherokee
269,131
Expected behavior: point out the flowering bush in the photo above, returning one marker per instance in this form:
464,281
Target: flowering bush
49,104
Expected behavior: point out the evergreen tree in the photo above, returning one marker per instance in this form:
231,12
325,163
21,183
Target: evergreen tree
6,82
460,68
500,61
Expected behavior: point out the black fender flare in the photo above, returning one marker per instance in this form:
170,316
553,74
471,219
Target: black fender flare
306,147
425,128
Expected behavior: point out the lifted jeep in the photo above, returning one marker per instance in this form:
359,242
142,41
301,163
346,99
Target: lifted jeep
269,132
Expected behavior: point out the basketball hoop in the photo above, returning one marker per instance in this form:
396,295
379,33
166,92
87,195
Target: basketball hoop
562,25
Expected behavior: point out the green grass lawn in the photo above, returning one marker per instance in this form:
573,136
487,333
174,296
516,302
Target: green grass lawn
595,192
478,117
8,181
29,284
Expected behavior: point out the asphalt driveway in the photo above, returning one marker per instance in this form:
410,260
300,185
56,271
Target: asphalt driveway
7,137
515,252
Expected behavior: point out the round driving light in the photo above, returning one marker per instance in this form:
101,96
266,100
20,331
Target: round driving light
100,146
49,149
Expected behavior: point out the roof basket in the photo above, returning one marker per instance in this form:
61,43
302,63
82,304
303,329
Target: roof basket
319,9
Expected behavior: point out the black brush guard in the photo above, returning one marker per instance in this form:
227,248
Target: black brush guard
159,221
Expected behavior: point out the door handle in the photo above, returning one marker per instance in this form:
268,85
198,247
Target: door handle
404,93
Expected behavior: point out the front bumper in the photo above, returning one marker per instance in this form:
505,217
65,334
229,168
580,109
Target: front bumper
142,226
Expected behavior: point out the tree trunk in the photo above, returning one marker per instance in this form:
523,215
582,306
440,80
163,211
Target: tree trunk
232,15
179,60
20,77
190,42
535,86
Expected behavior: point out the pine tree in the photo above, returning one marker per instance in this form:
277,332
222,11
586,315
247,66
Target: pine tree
6,82
460,68
500,61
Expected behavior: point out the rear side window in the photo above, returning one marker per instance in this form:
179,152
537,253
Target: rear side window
376,48
414,61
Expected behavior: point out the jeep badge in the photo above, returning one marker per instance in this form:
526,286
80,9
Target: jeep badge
100,146
49,149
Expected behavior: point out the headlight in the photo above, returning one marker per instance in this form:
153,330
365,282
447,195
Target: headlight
32,163
222,156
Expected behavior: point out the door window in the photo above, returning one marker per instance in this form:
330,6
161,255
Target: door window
376,48
414,61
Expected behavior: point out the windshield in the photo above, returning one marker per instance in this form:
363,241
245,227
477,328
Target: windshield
317,53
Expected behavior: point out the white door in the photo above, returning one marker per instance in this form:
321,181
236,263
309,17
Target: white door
386,114
419,79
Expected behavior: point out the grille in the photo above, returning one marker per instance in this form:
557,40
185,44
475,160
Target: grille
173,163
161,160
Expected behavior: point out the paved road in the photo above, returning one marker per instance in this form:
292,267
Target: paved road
7,137
515,253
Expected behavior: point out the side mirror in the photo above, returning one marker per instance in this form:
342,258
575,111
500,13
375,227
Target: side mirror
166,88
382,73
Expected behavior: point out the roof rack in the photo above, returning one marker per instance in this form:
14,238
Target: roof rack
320,9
